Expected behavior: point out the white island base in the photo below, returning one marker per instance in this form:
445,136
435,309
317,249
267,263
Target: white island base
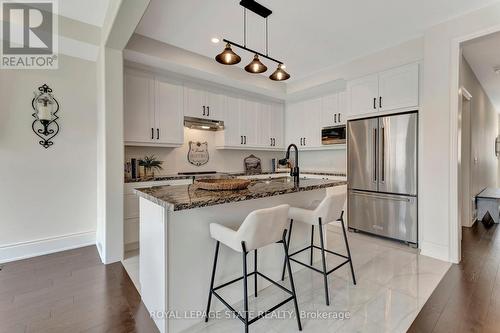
177,253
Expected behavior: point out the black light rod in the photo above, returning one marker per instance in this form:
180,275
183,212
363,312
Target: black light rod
253,51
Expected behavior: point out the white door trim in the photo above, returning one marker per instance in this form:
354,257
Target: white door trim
455,96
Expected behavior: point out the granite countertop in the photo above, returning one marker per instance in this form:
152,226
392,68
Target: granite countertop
232,174
181,197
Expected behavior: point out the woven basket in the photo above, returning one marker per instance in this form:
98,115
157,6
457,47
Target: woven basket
222,184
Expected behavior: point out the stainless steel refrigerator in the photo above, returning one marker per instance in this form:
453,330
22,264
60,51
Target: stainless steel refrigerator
382,176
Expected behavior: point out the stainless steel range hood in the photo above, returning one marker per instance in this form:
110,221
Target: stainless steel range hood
203,124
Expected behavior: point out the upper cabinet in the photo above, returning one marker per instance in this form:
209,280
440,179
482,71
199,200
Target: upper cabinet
303,124
152,111
251,125
394,89
334,110
203,104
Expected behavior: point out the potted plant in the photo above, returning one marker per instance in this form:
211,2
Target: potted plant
150,164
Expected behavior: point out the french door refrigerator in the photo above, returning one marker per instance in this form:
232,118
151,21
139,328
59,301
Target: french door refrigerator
382,176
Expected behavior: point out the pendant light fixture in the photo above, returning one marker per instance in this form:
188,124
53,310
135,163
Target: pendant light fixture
229,57
256,67
279,74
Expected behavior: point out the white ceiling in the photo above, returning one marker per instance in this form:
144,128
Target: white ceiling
308,36
88,11
483,55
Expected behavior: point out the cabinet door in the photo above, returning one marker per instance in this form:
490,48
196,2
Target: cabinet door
194,103
311,123
138,107
294,123
249,122
169,113
232,134
330,111
215,106
277,122
398,88
344,110
264,127
364,95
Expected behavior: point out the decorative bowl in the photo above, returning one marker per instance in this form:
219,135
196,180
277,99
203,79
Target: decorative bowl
222,184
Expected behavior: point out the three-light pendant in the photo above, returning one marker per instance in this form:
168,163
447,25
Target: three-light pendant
229,57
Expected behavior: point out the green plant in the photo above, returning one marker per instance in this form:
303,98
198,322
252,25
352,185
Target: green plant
151,163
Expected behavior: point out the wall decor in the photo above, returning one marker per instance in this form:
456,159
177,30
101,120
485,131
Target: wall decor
252,164
45,125
198,153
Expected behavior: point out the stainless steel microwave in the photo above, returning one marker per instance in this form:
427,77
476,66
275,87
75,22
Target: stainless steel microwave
333,135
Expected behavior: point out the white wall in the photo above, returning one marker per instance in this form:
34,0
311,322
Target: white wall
484,130
47,201
437,195
175,159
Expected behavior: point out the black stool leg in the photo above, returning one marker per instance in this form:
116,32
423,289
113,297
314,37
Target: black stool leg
255,271
212,281
245,284
348,250
292,285
325,275
288,245
312,245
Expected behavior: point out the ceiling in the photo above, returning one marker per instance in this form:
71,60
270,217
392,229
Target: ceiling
483,55
88,11
308,36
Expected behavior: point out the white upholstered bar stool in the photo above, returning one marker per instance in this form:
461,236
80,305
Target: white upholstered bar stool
261,228
330,209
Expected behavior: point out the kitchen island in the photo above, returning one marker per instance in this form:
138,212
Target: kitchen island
177,251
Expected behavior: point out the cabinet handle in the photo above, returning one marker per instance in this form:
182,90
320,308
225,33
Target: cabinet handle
158,134
152,133
203,109
375,103
208,111
245,137
241,139
304,141
335,118
339,117
274,141
380,102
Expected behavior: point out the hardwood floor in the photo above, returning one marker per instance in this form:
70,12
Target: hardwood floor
468,297
70,291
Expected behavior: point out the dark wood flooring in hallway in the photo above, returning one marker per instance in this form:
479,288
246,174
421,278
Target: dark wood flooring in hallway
70,291
468,297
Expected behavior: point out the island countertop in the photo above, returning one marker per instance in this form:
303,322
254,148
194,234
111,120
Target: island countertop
181,197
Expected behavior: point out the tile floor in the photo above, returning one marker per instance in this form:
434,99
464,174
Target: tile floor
393,283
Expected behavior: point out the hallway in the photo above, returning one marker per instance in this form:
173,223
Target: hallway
468,297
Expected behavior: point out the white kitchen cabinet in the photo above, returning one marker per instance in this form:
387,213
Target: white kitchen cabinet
203,104
249,123
303,125
363,95
394,89
277,126
153,111
231,136
138,107
270,126
168,113
398,88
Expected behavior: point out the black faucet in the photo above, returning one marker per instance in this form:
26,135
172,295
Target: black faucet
294,172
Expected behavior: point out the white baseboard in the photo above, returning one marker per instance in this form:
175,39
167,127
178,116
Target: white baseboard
23,250
436,251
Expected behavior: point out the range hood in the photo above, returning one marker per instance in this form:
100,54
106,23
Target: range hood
203,124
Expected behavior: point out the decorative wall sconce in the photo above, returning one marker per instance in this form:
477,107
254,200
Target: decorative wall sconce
45,125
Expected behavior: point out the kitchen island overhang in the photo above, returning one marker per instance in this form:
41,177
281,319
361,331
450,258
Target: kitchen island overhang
177,251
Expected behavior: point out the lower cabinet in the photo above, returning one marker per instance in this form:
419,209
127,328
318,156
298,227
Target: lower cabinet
131,209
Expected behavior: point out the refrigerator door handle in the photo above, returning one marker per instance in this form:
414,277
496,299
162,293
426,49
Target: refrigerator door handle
383,196
382,158
375,155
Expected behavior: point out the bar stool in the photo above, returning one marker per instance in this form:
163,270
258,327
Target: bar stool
260,228
330,209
